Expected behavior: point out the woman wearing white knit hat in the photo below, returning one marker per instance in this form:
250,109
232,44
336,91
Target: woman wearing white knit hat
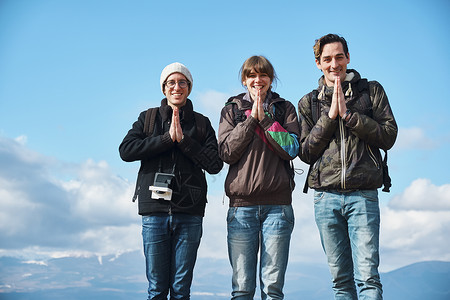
175,145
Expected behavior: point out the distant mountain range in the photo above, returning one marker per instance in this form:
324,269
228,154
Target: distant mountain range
123,278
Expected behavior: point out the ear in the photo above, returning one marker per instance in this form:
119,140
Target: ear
319,66
348,57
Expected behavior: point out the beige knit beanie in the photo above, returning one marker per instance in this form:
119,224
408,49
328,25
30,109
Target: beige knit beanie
176,67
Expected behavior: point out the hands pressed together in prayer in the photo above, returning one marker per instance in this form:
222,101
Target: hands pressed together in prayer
258,109
338,106
175,131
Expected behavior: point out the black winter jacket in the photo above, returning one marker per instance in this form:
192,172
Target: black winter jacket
186,160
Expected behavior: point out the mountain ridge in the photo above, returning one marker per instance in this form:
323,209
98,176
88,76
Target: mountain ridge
123,277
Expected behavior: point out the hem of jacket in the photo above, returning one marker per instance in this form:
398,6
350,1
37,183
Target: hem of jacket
149,209
347,189
174,210
252,201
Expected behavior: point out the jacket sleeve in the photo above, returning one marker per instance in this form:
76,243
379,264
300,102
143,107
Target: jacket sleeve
205,155
314,138
233,140
138,146
284,140
380,130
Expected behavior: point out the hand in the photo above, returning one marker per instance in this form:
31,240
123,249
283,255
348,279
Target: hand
258,109
341,98
338,106
175,131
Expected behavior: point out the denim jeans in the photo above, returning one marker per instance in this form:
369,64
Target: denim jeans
267,229
170,249
349,227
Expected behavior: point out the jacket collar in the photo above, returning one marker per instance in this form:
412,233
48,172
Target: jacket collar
348,87
186,111
244,101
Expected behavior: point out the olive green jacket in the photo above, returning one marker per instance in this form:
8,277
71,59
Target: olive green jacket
346,155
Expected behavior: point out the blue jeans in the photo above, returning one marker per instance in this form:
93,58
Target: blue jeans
170,249
349,227
266,228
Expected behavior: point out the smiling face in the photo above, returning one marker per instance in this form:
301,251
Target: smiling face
177,95
257,82
333,62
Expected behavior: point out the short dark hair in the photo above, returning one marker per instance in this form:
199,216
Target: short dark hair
260,64
328,39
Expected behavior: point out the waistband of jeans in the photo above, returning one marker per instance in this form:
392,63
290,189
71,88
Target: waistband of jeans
338,191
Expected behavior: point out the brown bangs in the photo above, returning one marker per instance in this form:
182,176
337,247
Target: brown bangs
259,64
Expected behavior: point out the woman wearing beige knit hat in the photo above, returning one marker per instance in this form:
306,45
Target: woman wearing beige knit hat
175,145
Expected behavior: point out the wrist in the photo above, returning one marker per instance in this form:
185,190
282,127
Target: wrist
347,115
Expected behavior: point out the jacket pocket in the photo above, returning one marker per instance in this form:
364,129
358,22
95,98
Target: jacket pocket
373,157
314,179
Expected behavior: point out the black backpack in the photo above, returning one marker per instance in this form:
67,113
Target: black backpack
363,87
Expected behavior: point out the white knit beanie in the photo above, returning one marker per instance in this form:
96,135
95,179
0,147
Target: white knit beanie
175,67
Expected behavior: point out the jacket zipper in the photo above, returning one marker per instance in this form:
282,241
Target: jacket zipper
343,153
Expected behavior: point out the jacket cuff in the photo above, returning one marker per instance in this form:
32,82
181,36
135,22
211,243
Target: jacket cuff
166,139
352,121
266,122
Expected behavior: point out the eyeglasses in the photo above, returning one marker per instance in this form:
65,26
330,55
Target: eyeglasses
182,84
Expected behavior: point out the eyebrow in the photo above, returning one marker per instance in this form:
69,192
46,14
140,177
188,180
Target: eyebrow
339,54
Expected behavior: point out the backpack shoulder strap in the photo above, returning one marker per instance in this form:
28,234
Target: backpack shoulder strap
149,123
315,113
363,84
386,178
365,103
315,107
238,115
363,87
200,126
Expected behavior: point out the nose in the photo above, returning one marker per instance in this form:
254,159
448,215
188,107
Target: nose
177,86
334,63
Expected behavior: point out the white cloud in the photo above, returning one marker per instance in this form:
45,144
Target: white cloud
413,138
415,225
423,195
21,139
89,211
97,195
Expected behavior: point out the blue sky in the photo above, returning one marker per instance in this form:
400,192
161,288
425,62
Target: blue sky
74,76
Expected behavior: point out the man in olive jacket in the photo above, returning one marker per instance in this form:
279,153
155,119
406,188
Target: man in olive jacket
354,121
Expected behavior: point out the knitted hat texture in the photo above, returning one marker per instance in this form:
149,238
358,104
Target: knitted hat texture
175,67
